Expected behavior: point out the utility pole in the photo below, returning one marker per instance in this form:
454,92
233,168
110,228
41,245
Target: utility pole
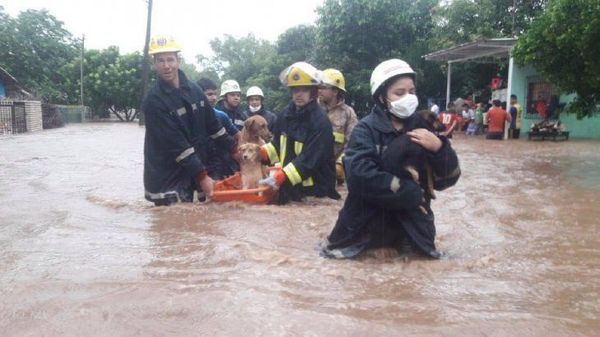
81,68
146,64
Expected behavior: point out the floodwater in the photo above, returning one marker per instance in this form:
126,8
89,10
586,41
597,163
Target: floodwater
83,254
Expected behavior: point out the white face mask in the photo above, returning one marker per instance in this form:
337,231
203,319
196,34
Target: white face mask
253,109
405,106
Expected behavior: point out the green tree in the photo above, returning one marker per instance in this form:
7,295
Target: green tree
355,35
112,82
462,21
563,44
33,48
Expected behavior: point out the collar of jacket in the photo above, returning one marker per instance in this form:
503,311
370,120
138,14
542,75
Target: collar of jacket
168,88
221,106
294,112
339,104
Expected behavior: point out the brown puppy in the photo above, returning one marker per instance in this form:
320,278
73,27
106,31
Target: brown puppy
251,168
255,131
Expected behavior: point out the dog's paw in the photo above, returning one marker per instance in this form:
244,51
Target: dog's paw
413,173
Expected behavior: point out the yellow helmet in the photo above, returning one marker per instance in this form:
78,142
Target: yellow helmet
163,44
334,78
300,74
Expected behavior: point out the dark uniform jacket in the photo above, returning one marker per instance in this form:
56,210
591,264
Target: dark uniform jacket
266,114
302,143
237,115
378,207
179,123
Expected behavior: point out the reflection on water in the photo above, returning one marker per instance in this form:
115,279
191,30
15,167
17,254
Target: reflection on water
81,252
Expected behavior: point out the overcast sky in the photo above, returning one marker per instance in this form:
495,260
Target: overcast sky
192,23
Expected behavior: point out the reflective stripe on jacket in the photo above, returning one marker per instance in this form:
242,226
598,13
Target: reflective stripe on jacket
343,120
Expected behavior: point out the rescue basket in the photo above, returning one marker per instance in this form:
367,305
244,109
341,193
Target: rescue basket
230,189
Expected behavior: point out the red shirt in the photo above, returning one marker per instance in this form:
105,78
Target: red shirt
496,118
449,120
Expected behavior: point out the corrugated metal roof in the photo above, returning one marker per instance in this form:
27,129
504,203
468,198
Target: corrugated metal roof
488,48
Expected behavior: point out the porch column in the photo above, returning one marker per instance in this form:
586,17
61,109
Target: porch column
448,86
509,90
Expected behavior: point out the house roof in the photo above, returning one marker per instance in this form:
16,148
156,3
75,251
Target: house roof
482,49
6,77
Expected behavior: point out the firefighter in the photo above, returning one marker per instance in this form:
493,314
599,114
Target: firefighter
179,123
332,95
302,141
376,208
230,103
256,106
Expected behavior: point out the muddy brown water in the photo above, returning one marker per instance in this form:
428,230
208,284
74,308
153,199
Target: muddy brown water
83,254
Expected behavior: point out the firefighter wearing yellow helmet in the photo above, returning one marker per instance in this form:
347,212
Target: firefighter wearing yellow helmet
302,142
332,96
179,122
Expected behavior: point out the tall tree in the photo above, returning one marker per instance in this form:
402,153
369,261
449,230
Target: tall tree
355,35
112,82
563,44
37,46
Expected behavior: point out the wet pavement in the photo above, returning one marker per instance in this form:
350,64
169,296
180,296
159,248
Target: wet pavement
82,253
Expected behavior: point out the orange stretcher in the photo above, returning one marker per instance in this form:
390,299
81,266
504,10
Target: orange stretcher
230,189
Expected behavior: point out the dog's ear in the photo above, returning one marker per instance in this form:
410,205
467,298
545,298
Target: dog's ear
249,123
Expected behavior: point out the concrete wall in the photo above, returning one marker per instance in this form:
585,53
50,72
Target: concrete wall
33,111
584,128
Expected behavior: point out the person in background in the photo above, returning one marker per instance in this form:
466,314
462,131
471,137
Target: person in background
541,108
219,165
515,113
230,103
332,95
434,108
449,119
256,106
496,118
179,123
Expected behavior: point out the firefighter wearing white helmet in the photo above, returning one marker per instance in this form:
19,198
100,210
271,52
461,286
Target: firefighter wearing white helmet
332,96
230,102
256,106
179,121
302,141
387,206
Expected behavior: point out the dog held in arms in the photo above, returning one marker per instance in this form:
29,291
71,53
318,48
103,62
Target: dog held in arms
406,159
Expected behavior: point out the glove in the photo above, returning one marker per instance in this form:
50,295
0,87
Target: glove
264,155
274,180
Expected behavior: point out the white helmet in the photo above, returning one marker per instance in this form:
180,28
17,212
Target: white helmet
230,86
254,91
388,69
